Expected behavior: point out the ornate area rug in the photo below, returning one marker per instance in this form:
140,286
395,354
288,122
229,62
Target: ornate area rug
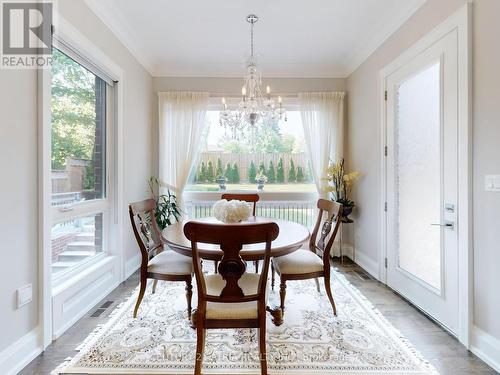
311,340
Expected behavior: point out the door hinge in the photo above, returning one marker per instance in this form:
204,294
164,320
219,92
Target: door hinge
385,262
385,151
385,206
385,95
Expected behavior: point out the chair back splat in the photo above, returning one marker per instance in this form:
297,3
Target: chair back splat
250,198
231,239
333,211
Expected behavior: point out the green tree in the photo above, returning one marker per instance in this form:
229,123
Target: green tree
202,176
252,172
271,174
210,172
291,172
262,168
73,111
229,173
218,170
300,174
236,173
280,172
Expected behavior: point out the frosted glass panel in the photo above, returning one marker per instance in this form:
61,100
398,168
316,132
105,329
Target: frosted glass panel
418,166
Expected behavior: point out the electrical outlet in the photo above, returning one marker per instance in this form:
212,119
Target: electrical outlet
24,295
492,182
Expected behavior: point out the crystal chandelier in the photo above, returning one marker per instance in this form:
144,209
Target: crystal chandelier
254,108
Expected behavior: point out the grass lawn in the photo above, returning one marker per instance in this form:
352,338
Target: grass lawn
253,187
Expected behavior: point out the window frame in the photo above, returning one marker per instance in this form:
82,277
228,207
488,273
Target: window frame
92,207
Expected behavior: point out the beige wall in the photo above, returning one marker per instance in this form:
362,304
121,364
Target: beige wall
18,199
364,149
18,163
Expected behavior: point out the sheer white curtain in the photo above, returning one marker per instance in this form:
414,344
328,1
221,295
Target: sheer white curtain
181,120
323,121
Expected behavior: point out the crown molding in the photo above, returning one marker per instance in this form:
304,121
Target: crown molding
120,29
375,40
269,71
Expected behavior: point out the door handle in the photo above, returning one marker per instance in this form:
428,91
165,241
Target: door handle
447,224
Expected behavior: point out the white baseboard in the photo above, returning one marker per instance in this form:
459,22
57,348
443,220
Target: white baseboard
132,265
18,355
486,347
367,263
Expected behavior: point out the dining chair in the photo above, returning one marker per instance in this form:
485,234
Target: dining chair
157,263
232,298
314,262
250,198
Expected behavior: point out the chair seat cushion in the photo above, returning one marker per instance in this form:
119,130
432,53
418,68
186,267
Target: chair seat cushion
169,262
299,262
249,283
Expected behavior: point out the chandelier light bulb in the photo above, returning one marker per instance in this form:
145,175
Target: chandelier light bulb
268,90
243,91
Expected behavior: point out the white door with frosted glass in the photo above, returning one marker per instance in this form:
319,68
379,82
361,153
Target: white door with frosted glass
422,124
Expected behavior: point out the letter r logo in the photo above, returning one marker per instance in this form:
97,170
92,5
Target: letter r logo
26,28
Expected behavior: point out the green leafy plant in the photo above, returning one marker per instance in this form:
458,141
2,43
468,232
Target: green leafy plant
236,173
280,172
210,172
291,173
300,174
218,169
229,173
270,173
252,172
262,168
167,211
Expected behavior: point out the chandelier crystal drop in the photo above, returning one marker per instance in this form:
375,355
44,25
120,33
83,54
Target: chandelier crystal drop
255,108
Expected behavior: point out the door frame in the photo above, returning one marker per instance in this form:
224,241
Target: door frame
70,34
459,22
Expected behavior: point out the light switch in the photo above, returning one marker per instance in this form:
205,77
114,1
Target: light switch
24,295
492,182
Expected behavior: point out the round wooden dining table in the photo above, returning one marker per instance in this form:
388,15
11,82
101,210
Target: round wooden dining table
291,238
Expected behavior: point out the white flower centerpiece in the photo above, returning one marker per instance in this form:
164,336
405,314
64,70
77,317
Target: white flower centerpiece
232,211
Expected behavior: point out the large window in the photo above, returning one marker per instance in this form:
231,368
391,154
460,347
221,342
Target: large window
275,151
79,164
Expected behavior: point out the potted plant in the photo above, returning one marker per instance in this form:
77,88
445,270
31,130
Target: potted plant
221,180
261,180
340,185
167,211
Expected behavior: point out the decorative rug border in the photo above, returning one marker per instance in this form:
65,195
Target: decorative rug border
97,333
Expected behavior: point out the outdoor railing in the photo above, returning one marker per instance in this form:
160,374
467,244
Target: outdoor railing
60,199
298,207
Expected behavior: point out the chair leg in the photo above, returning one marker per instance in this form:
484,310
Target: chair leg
282,295
272,276
200,348
329,293
317,284
256,266
189,295
144,282
153,290
216,265
262,346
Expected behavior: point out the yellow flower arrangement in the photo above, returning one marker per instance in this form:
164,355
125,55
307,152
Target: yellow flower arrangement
340,183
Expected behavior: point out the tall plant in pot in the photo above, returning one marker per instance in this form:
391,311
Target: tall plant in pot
167,210
340,184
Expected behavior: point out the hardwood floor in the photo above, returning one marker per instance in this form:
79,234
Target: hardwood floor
439,347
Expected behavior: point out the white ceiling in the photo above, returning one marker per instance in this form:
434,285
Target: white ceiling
293,38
